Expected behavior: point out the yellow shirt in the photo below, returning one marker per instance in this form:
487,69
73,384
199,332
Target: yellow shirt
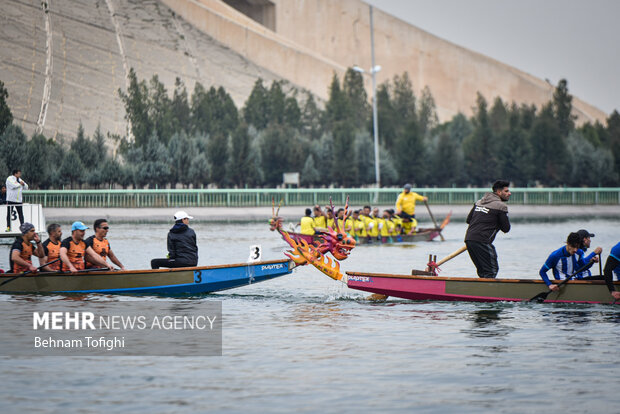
397,221
406,202
307,226
330,223
374,230
320,222
360,227
410,225
384,230
349,226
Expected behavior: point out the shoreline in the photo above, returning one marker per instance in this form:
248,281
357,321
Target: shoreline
254,214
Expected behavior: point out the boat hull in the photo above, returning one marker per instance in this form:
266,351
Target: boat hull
187,280
475,289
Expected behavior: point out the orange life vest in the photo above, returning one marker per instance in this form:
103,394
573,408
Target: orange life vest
26,249
75,252
101,247
52,251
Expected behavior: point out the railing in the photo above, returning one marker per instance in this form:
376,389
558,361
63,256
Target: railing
307,197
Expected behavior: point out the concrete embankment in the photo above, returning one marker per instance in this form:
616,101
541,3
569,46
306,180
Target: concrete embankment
240,214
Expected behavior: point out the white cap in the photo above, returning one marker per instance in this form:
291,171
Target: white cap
180,215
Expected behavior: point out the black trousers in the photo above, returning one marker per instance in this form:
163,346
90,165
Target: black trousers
9,209
484,257
157,263
405,215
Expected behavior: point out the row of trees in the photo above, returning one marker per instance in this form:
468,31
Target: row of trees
204,139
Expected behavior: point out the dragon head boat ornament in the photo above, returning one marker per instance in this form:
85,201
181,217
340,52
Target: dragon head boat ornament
314,249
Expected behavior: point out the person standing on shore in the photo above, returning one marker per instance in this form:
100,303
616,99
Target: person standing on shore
182,247
14,187
486,218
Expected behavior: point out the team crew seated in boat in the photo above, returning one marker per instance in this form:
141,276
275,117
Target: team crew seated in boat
373,224
586,240
320,221
567,260
330,218
349,223
101,245
182,247
24,248
368,222
409,225
307,224
612,266
398,223
73,251
384,226
341,218
405,203
51,247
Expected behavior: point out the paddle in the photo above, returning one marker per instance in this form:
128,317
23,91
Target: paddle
379,297
434,222
541,297
26,272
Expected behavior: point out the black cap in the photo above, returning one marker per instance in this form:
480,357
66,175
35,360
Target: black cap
584,233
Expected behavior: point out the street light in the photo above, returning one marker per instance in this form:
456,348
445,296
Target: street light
375,122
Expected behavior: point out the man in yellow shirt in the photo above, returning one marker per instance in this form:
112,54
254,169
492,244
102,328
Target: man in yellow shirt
307,224
405,203
320,221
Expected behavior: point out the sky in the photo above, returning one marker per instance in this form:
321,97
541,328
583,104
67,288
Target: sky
577,40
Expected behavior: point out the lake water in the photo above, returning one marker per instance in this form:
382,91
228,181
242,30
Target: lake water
305,343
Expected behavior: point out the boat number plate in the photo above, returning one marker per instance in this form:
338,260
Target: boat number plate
197,276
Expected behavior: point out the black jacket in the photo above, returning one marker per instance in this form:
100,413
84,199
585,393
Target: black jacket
182,245
486,217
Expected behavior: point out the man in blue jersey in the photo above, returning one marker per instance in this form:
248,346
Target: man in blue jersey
613,266
586,240
567,260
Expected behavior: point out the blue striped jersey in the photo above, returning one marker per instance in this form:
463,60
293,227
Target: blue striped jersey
563,265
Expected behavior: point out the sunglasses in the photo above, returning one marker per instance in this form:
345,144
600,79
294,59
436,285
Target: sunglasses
105,228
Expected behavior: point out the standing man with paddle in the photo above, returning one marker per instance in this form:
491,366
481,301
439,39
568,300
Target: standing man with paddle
486,218
405,203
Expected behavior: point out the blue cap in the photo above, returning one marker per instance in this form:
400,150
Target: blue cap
78,225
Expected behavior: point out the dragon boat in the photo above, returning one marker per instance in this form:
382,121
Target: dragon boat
421,235
179,281
429,287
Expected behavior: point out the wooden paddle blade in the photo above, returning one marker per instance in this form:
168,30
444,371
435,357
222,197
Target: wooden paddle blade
541,297
376,297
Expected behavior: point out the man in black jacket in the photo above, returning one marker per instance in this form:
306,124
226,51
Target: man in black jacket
182,248
487,216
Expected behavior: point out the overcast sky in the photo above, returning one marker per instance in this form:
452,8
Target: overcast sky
577,40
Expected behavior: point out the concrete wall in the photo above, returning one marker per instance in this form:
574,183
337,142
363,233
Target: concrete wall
315,38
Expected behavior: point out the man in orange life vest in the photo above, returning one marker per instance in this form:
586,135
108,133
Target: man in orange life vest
101,245
51,247
23,249
73,251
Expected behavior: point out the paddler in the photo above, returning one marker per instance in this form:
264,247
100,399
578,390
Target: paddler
612,265
24,248
566,260
101,245
320,221
51,247
307,224
368,224
486,218
373,225
330,218
73,251
405,203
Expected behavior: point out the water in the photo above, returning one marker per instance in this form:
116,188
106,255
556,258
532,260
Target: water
306,343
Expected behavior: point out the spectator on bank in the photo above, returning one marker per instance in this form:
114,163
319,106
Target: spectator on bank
14,187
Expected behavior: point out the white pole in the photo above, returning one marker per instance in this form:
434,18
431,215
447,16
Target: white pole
375,121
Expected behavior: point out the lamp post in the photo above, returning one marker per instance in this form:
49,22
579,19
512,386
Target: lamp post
375,121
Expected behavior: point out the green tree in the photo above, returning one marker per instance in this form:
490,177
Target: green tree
136,102
72,170
154,169
562,108
343,168
181,112
217,154
310,119
199,170
160,110
254,111
310,174
6,117
13,144
613,138
479,148
181,151
427,113
550,163
240,168
355,94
